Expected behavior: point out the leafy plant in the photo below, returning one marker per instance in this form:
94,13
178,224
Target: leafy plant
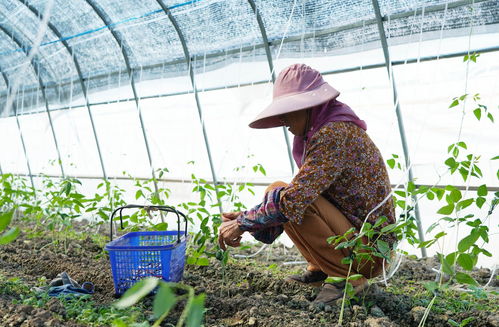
165,300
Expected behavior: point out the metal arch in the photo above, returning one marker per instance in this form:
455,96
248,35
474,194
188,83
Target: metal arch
14,105
388,63
120,42
194,88
80,76
272,72
42,87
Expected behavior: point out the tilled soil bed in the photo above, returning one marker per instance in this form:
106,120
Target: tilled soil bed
252,292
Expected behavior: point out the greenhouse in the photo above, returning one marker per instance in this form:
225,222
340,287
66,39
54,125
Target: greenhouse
243,163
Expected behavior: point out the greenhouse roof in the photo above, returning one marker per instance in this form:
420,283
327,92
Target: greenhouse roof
90,45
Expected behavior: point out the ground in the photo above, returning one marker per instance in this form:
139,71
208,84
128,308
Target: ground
252,293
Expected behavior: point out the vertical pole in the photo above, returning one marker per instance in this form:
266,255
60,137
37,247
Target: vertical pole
272,73
400,121
194,88
14,104
42,87
54,30
120,42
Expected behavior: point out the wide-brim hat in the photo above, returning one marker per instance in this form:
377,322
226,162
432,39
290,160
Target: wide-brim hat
297,87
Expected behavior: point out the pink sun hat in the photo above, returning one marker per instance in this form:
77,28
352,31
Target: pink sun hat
297,87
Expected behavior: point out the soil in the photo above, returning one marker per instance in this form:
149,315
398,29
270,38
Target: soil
251,293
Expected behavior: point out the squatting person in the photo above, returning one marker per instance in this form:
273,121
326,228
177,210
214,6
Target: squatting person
342,181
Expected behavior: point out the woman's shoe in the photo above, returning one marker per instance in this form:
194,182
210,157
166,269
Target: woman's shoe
332,292
315,278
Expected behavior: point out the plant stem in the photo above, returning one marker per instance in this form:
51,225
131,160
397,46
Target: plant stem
342,311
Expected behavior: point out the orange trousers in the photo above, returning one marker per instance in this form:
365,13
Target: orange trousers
321,221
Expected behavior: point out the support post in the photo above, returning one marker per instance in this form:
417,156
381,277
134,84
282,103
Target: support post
105,19
272,73
80,77
194,88
388,63
7,82
42,88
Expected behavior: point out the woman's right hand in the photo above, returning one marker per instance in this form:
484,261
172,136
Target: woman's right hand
228,216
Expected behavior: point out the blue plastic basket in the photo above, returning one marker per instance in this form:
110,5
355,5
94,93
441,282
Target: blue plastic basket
138,255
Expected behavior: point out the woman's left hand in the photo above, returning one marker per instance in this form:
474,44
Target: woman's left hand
229,234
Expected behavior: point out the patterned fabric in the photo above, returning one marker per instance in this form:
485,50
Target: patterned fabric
264,220
343,165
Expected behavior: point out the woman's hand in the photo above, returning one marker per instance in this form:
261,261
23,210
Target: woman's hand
228,216
229,232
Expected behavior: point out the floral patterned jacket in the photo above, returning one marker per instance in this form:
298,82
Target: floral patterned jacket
343,165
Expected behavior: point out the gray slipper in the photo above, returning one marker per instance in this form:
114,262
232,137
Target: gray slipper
64,279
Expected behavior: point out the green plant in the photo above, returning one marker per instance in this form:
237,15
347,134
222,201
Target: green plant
62,203
103,204
361,253
206,211
165,299
15,195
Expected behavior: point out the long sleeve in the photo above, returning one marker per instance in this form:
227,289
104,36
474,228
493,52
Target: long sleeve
265,220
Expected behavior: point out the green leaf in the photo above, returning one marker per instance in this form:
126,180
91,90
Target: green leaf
489,116
161,227
346,260
465,279
355,277
380,221
439,235
478,113
467,242
5,219
391,163
383,248
136,292
447,263
431,286
455,195
164,300
465,261
464,204
202,262
447,210
388,228
196,311
9,235
480,202
334,279
495,158
451,162
454,103
482,190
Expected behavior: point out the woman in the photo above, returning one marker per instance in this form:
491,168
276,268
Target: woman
342,182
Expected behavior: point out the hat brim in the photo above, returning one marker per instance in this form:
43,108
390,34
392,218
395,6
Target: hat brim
269,117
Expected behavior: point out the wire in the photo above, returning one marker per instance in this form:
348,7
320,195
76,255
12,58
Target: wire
242,256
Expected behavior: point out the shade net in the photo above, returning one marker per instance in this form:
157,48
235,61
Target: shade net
95,45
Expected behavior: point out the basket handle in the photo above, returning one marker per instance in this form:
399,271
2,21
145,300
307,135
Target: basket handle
148,209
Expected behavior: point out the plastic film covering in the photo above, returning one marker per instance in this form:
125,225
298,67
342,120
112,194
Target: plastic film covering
217,33
23,25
